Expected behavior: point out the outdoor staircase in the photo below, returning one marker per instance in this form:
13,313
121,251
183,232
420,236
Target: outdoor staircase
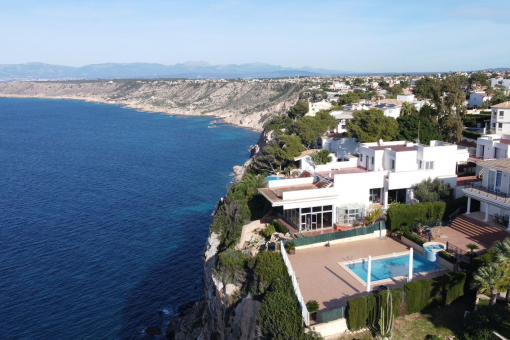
478,231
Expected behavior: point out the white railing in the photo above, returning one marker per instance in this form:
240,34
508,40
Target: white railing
292,274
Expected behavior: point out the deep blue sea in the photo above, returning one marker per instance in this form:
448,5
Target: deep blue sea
104,214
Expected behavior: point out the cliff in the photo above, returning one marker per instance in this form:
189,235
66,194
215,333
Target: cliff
246,103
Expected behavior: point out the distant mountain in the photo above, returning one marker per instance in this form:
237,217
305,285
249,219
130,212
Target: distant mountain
190,69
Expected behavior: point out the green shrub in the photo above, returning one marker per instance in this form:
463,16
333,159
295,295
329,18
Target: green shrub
414,238
357,314
230,265
454,287
312,306
268,231
448,257
372,309
401,214
290,245
470,134
280,227
268,267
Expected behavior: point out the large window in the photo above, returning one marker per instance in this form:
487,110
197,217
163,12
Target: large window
375,195
348,215
494,180
313,218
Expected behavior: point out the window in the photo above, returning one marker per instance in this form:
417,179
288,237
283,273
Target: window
361,157
493,125
501,113
392,164
372,160
494,181
421,165
500,125
375,195
429,165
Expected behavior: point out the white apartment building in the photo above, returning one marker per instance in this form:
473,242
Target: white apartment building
500,119
478,98
500,82
390,107
493,191
411,99
493,146
384,172
342,118
314,107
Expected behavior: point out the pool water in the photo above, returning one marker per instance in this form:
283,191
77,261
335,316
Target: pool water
392,267
435,246
273,178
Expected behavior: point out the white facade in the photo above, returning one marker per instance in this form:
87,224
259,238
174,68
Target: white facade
342,118
500,82
500,119
478,98
383,173
493,147
314,107
493,191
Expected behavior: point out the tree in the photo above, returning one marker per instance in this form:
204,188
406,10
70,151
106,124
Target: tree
414,127
394,91
321,157
371,125
479,78
407,109
502,251
451,127
310,129
298,110
428,112
432,190
278,155
424,88
489,280
499,96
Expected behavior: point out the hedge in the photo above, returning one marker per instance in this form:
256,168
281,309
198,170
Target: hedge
401,214
448,257
414,238
280,227
416,296
471,134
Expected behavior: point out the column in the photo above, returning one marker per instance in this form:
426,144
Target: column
468,212
385,198
369,272
486,212
299,219
410,275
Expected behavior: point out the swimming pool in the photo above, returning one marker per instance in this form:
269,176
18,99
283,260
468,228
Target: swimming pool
273,178
390,267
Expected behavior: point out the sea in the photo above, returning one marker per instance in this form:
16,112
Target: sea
104,214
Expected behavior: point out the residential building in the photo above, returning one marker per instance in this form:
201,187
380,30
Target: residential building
499,81
500,119
478,98
492,147
390,107
314,107
342,118
410,98
382,173
493,191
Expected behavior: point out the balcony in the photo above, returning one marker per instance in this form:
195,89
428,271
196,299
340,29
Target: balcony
479,192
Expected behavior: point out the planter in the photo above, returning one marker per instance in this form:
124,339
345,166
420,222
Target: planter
313,316
411,244
291,252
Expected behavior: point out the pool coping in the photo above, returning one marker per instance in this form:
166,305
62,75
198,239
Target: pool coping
388,280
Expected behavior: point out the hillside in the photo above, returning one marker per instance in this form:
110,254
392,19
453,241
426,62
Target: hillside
245,103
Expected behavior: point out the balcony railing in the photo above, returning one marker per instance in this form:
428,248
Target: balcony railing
478,189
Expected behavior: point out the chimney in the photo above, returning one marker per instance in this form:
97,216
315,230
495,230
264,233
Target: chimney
380,143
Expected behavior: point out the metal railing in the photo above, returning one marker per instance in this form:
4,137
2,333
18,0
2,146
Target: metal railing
292,274
455,214
478,189
459,253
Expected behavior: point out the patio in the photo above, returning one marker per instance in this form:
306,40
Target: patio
321,278
468,229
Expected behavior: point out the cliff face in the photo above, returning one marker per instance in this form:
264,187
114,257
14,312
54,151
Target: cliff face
240,102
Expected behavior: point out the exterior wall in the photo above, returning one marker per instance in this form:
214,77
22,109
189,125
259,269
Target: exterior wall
313,108
341,147
406,98
355,188
289,181
500,82
497,119
476,99
485,146
404,161
394,113
336,327
304,194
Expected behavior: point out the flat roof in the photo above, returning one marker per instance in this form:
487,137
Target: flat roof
353,170
272,194
503,141
396,148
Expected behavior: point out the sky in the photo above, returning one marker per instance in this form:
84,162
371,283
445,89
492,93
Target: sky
359,36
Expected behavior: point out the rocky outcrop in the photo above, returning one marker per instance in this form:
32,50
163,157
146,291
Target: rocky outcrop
240,102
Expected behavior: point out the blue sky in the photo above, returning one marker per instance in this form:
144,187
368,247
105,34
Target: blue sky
363,36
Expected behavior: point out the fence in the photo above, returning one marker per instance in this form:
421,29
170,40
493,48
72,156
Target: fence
334,314
459,253
292,274
304,241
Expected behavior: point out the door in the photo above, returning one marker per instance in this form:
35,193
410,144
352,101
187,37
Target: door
366,162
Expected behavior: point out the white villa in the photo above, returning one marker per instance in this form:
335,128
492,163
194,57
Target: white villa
478,98
493,191
500,119
500,82
342,118
411,99
492,147
340,192
390,107
314,107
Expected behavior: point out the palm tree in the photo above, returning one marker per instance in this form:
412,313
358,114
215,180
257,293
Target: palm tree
502,250
407,109
489,280
472,247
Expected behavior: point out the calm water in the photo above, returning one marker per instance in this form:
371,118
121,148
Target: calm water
392,267
104,213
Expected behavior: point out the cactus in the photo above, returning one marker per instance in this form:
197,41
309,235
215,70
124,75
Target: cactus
386,318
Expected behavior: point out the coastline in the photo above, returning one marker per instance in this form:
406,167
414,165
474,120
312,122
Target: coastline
139,108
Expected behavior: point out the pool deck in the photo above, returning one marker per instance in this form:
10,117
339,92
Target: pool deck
321,278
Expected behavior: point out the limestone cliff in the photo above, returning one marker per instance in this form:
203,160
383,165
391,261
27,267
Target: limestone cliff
247,103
